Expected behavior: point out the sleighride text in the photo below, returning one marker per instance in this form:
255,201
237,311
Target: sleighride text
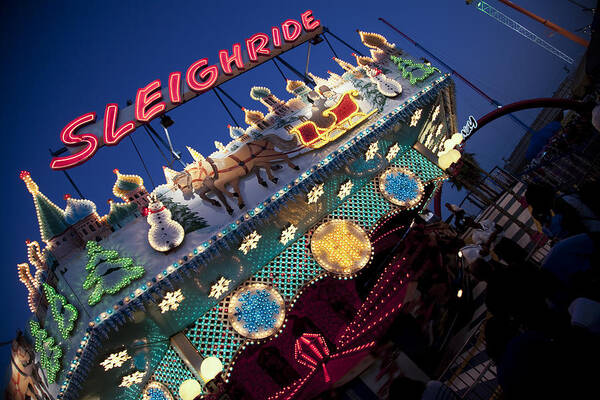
154,100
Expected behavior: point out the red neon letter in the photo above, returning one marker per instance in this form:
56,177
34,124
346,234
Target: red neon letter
143,99
285,28
175,87
255,49
198,86
111,136
67,136
226,59
309,21
276,37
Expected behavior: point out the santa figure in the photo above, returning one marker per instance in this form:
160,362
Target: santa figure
386,86
165,233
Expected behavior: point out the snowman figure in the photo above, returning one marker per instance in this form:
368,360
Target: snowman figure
165,233
386,86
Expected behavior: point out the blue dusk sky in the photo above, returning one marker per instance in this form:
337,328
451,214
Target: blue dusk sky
61,59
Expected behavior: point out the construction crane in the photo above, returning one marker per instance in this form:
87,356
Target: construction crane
520,29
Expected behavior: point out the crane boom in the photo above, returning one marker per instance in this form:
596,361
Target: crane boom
520,29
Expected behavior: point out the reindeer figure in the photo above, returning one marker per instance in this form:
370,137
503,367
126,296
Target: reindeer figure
26,377
213,175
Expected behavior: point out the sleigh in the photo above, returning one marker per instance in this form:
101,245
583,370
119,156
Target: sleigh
346,115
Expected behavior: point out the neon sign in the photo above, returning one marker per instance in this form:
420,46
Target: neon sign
153,100
469,127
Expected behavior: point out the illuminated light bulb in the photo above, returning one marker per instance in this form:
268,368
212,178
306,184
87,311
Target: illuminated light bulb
190,389
210,368
459,293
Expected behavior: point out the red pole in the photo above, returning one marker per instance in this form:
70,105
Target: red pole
547,23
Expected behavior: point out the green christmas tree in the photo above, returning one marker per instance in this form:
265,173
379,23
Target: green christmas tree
63,313
189,220
408,67
50,353
98,255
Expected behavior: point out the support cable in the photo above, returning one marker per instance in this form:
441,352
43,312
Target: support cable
279,69
57,153
157,146
330,46
142,160
326,30
235,123
224,93
307,79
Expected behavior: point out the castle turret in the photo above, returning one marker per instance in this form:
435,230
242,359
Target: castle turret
255,119
267,98
131,189
54,229
82,216
298,89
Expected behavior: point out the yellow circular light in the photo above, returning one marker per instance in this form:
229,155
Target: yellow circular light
341,247
393,199
235,303
190,389
210,367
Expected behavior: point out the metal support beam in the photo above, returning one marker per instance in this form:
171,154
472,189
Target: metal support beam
307,79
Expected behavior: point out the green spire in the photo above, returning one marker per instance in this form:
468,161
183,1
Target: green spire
50,217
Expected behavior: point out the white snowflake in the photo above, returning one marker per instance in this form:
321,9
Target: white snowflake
219,288
115,360
315,193
416,117
132,379
288,234
250,242
345,189
371,151
436,112
171,301
392,152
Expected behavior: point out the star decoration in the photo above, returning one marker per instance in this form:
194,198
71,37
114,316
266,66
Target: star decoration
371,151
416,117
345,189
392,152
250,242
315,193
115,360
132,379
171,301
219,288
436,112
288,234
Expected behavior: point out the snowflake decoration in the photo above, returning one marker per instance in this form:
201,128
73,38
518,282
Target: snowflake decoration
132,379
315,193
115,360
219,288
345,189
392,152
250,242
288,234
370,154
171,301
416,117
257,310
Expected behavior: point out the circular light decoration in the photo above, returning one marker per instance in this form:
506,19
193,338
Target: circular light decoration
210,367
256,311
156,391
341,247
190,389
401,187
